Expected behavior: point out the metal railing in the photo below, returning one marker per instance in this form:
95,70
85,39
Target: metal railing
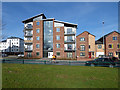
58,62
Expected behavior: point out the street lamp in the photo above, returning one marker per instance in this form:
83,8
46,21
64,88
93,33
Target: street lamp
103,38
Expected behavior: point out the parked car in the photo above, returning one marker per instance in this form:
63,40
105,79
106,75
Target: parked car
21,55
103,62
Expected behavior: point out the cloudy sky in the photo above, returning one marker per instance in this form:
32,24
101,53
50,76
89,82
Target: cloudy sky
88,15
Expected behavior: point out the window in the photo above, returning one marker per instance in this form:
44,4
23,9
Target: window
114,38
37,23
57,29
82,39
110,54
37,38
89,46
58,37
69,38
29,54
37,30
37,45
37,53
82,54
99,46
69,46
110,45
58,45
69,55
82,47
69,30
118,46
58,53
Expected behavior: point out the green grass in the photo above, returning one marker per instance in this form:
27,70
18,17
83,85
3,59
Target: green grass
56,76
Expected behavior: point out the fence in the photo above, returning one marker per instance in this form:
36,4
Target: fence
60,62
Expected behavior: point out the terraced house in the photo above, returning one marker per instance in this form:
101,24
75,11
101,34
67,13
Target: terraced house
45,37
111,44
85,46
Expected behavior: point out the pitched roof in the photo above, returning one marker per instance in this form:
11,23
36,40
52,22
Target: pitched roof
31,19
14,38
101,39
87,32
3,41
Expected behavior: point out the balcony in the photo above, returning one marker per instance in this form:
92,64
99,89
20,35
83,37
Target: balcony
69,41
28,49
28,41
28,34
69,50
69,33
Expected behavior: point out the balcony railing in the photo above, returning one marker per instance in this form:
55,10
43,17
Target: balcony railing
69,41
69,49
28,41
29,34
28,28
28,49
69,33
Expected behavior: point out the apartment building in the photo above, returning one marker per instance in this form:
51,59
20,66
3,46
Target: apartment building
85,46
111,43
12,45
44,37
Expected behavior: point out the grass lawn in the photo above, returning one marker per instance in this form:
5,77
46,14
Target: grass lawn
58,76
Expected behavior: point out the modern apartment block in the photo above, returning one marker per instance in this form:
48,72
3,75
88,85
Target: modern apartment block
13,45
85,46
46,37
111,44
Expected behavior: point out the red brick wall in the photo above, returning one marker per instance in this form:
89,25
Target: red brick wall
61,42
109,40
86,43
40,42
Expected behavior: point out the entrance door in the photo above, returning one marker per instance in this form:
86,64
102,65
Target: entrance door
50,54
89,54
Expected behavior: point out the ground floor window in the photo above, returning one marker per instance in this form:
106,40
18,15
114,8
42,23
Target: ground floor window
37,53
110,54
82,54
69,55
58,53
29,54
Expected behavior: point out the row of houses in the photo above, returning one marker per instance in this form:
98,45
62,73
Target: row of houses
44,37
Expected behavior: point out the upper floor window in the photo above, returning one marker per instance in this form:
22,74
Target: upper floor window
37,38
58,45
57,29
99,46
69,30
114,38
37,23
82,39
82,47
58,37
37,30
110,45
37,45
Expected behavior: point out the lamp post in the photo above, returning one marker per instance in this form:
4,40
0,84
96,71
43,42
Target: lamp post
103,39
